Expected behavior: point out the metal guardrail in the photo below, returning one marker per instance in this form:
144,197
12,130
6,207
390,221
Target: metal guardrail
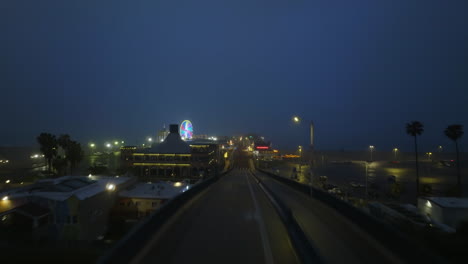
401,245
304,248
129,246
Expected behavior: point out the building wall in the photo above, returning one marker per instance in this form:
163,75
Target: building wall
448,216
201,162
136,208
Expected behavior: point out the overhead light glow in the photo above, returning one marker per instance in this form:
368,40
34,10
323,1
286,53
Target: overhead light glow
110,187
5,198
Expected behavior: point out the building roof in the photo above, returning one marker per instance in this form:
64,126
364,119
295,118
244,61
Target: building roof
449,202
157,190
172,144
62,188
32,210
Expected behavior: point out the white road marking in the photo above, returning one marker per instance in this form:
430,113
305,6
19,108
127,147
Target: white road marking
258,216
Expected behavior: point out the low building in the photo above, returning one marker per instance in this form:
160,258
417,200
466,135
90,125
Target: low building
141,199
69,207
447,210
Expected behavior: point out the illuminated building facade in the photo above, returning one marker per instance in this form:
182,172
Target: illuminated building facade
174,159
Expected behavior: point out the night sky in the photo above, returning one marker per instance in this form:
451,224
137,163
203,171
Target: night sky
117,69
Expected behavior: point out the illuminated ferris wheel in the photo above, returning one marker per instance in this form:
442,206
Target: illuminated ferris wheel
186,130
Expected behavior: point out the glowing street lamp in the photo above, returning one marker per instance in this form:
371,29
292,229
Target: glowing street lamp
116,143
108,145
395,150
429,155
92,145
150,139
371,148
296,119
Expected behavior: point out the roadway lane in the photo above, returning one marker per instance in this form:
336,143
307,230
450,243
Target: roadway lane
335,237
231,222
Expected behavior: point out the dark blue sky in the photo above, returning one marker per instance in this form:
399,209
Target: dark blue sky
120,69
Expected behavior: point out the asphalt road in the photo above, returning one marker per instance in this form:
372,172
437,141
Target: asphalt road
231,222
336,238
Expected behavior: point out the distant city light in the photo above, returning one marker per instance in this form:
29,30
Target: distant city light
123,142
7,181
177,184
110,187
108,145
5,198
150,139
92,145
89,176
116,142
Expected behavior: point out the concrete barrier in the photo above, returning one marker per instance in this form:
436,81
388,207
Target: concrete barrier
401,245
129,246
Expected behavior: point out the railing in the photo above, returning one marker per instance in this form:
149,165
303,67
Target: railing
304,248
390,237
129,246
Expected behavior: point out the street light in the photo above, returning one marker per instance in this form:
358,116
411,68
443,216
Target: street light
371,148
116,143
108,145
429,154
296,119
300,157
150,139
395,150
92,145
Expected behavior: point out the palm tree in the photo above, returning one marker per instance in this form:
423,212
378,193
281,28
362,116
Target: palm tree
74,154
63,141
414,129
48,144
454,132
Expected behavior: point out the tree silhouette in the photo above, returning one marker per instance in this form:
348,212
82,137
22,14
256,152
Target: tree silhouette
74,154
48,144
64,142
454,132
414,129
